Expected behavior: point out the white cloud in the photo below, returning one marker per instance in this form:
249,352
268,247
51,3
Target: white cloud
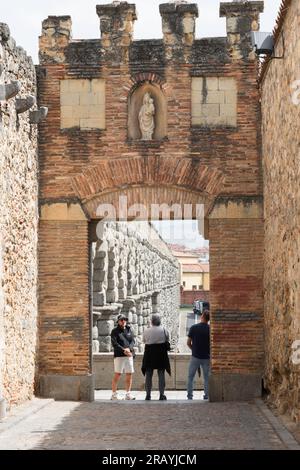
25,18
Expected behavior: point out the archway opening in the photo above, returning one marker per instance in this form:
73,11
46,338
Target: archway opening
139,268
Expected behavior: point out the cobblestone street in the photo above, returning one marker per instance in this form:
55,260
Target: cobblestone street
176,424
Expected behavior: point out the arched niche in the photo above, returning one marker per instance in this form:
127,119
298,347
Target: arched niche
135,102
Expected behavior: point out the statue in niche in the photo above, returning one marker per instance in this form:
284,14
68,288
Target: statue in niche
146,117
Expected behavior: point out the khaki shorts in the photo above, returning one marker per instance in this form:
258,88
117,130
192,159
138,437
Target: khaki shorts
123,364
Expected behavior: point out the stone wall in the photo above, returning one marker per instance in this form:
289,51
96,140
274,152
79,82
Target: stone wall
18,222
281,129
103,368
134,273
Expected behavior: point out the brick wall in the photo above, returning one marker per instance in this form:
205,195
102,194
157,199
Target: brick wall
64,326
236,296
188,297
75,152
281,118
190,163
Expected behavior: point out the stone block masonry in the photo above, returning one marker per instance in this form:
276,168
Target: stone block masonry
214,101
281,130
82,104
18,223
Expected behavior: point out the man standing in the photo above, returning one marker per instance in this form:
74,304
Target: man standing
199,342
122,339
156,340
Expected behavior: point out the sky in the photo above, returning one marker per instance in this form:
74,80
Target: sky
25,17
181,232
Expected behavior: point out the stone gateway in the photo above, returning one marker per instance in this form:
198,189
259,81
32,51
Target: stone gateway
200,145
170,123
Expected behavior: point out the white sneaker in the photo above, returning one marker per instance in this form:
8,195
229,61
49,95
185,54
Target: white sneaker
115,397
129,397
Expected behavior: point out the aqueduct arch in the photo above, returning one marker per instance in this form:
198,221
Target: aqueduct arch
210,155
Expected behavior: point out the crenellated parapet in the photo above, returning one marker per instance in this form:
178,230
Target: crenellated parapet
56,36
178,26
242,17
117,27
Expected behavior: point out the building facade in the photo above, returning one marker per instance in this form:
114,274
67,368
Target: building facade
194,273
203,149
280,89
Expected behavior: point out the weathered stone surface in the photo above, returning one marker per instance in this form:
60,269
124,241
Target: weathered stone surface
178,24
145,268
105,344
116,24
241,19
36,117
82,104
24,104
96,346
105,327
9,90
95,332
18,227
99,298
75,388
4,32
214,101
281,128
56,35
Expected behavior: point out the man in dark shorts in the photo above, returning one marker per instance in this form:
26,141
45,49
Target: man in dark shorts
199,343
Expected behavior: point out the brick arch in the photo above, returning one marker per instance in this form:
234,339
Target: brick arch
185,174
147,195
139,78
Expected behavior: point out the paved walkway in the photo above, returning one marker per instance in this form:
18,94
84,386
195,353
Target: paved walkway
172,425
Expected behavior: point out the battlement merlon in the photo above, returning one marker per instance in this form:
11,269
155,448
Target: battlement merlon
56,36
241,18
179,23
117,24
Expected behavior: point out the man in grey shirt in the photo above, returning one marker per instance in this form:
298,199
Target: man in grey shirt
156,340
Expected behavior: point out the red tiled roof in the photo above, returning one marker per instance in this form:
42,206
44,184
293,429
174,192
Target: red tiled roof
283,10
204,249
205,267
185,254
176,247
180,250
